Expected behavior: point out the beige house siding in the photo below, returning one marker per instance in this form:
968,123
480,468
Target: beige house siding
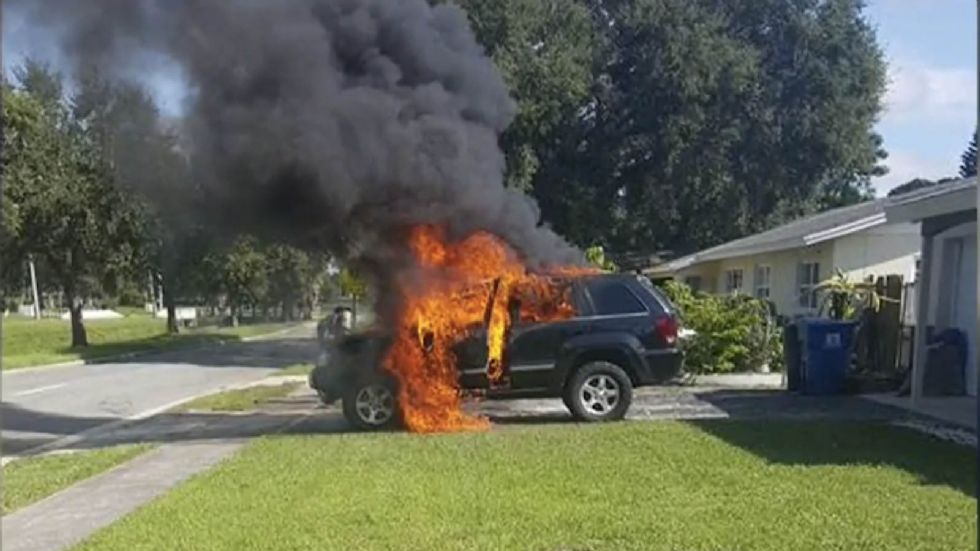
706,272
783,290
880,251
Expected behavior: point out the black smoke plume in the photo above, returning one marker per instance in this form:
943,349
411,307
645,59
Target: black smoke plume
339,122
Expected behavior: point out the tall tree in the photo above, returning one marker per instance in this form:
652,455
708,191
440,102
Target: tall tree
544,50
353,285
968,166
291,278
69,213
149,166
244,274
701,120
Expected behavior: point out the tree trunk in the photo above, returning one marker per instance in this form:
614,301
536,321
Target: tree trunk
354,311
78,335
234,316
168,299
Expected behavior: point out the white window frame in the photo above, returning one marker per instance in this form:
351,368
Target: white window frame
731,280
808,277
762,285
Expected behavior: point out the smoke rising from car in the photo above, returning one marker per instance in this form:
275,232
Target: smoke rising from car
336,122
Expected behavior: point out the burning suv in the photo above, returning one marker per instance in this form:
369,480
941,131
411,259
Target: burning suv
619,333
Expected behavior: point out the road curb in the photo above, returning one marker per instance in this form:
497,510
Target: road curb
128,355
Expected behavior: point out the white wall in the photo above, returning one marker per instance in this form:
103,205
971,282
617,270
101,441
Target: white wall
783,289
881,251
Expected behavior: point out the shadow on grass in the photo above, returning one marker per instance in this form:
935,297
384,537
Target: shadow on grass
533,419
210,350
823,443
34,350
98,351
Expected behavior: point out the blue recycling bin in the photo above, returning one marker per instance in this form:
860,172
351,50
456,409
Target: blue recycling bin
825,355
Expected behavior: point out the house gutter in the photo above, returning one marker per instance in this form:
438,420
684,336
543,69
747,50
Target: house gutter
846,229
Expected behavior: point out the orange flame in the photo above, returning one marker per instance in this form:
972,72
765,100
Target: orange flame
464,285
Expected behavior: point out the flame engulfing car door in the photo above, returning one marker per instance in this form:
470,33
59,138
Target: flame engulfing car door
534,346
472,354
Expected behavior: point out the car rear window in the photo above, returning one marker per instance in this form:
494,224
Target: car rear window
611,298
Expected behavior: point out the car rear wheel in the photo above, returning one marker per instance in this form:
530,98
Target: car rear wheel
371,405
599,391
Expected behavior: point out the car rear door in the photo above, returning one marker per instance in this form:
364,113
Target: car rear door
533,348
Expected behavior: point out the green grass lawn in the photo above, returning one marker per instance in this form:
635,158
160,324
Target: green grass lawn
34,478
692,486
241,399
295,369
28,342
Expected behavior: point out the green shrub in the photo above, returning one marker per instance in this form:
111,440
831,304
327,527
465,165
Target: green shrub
734,332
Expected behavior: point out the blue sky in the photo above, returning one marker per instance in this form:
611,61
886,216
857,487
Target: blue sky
931,104
930,107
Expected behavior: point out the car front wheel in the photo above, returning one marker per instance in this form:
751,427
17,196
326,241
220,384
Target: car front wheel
371,405
599,391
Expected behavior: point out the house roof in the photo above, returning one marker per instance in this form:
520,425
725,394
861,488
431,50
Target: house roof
948,198
813,229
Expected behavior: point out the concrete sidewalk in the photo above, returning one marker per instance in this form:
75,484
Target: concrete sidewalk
739,380
956,410
190,443
72,515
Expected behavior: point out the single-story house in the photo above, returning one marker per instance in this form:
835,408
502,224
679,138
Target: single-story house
783,264
947,287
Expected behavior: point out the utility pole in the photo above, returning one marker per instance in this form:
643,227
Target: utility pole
37,302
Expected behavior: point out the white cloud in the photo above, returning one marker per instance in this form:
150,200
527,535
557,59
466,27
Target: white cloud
923,93
904,166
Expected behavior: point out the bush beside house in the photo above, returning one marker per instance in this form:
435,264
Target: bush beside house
733,332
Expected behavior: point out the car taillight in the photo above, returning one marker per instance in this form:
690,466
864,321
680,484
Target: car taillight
666,327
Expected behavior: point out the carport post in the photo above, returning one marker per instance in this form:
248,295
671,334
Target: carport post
921,318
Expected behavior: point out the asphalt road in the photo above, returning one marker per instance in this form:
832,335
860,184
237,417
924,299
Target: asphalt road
45,405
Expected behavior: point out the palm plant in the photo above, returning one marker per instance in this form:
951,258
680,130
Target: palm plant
847,300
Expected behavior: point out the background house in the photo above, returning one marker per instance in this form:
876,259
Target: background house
784,263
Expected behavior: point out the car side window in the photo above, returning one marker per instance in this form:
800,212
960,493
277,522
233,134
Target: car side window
581,301
611,298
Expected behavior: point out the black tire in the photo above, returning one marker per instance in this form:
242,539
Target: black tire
598,392
371,404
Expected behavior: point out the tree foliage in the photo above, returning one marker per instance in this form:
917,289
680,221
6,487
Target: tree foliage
597,256
352,284
59,186
244,275
968,164
910,186
684,123
544,49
